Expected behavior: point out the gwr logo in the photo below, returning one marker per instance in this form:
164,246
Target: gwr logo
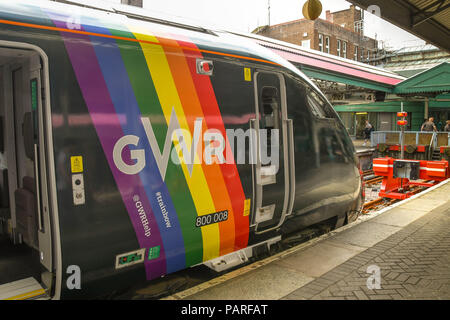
187,149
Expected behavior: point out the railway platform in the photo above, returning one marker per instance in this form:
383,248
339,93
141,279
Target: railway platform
400,252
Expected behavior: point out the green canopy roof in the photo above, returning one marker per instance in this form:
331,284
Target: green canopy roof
433,81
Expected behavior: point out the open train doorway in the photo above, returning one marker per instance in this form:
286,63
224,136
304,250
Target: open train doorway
25,235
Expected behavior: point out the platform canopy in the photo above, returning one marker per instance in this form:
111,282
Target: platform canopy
323,66
426,19
432,82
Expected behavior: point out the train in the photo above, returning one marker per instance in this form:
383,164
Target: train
135,147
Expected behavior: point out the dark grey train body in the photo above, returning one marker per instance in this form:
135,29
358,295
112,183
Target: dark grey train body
103,95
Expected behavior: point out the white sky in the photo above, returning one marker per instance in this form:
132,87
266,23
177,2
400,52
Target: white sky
246,15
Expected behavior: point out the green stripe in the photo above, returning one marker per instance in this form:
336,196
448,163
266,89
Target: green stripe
175,180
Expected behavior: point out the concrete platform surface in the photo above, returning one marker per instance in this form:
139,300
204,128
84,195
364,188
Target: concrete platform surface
403,252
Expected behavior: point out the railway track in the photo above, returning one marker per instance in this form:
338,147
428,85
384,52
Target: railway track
380,203
377,204
374,181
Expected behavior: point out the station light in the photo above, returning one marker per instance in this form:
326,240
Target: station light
312,9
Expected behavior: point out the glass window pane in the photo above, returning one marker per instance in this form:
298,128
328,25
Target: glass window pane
315,105
320,42
319,106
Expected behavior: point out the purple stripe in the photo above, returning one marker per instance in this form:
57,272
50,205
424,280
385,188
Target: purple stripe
98,100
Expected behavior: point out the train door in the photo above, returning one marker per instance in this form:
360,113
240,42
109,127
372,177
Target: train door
38,97
273,178
27,216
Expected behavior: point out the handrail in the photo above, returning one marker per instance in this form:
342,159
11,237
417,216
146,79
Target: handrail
378,137
38,188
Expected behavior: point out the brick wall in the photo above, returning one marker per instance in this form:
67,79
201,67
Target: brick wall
335,32
300,30
346,18
293,32
136,3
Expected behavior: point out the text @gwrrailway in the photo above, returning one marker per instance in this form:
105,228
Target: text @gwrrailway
227,309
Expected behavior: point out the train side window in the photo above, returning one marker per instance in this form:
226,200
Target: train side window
270,108
270,113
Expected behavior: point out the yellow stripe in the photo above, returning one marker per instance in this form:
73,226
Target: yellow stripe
28,295
169,99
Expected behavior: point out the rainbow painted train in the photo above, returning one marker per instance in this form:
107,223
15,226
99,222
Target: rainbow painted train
136,147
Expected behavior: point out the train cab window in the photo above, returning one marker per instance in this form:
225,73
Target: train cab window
331,149
319,106
315,105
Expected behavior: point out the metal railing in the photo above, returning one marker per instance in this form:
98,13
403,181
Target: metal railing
432,139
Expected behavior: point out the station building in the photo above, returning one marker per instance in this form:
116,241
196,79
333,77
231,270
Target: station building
411,60
424,95
419,76
341,34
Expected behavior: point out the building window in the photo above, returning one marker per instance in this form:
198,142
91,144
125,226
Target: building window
320,42
368,55
327,44
339,48
362,54
344,50
359,26
306,44
356,53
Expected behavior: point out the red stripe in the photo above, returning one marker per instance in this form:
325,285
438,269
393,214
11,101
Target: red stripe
214,119
182,75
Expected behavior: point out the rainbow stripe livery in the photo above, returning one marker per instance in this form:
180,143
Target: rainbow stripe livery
109,73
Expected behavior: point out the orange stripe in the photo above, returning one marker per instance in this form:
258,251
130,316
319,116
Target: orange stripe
230,173
37,26
193,110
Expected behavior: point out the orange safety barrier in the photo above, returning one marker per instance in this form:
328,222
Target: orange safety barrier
396,147
399,175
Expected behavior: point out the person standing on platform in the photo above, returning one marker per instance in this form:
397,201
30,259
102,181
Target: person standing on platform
429,126
367,132
447,126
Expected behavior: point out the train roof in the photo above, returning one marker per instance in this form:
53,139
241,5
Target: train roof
39,13
288,51
212,40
